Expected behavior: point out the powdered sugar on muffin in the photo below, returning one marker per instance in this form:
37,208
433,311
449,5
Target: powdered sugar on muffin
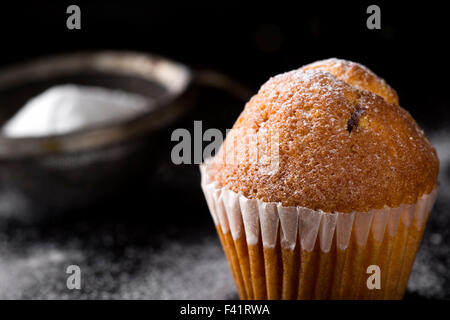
357,75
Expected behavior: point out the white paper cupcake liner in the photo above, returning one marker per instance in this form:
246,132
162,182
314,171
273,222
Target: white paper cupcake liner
257,219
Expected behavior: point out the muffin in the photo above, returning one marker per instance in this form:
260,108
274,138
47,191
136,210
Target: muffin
323,181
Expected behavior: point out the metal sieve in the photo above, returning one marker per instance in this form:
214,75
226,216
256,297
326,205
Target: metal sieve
76,169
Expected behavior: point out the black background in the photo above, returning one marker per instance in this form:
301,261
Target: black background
251,40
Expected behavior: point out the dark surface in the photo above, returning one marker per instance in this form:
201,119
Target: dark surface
156,239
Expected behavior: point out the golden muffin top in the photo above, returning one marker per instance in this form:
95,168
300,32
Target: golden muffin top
356,75
336,140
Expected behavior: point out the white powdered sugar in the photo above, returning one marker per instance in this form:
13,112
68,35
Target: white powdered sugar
65,108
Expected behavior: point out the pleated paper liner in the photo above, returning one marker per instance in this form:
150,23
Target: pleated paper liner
278,252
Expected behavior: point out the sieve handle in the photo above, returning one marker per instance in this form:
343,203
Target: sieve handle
214,79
